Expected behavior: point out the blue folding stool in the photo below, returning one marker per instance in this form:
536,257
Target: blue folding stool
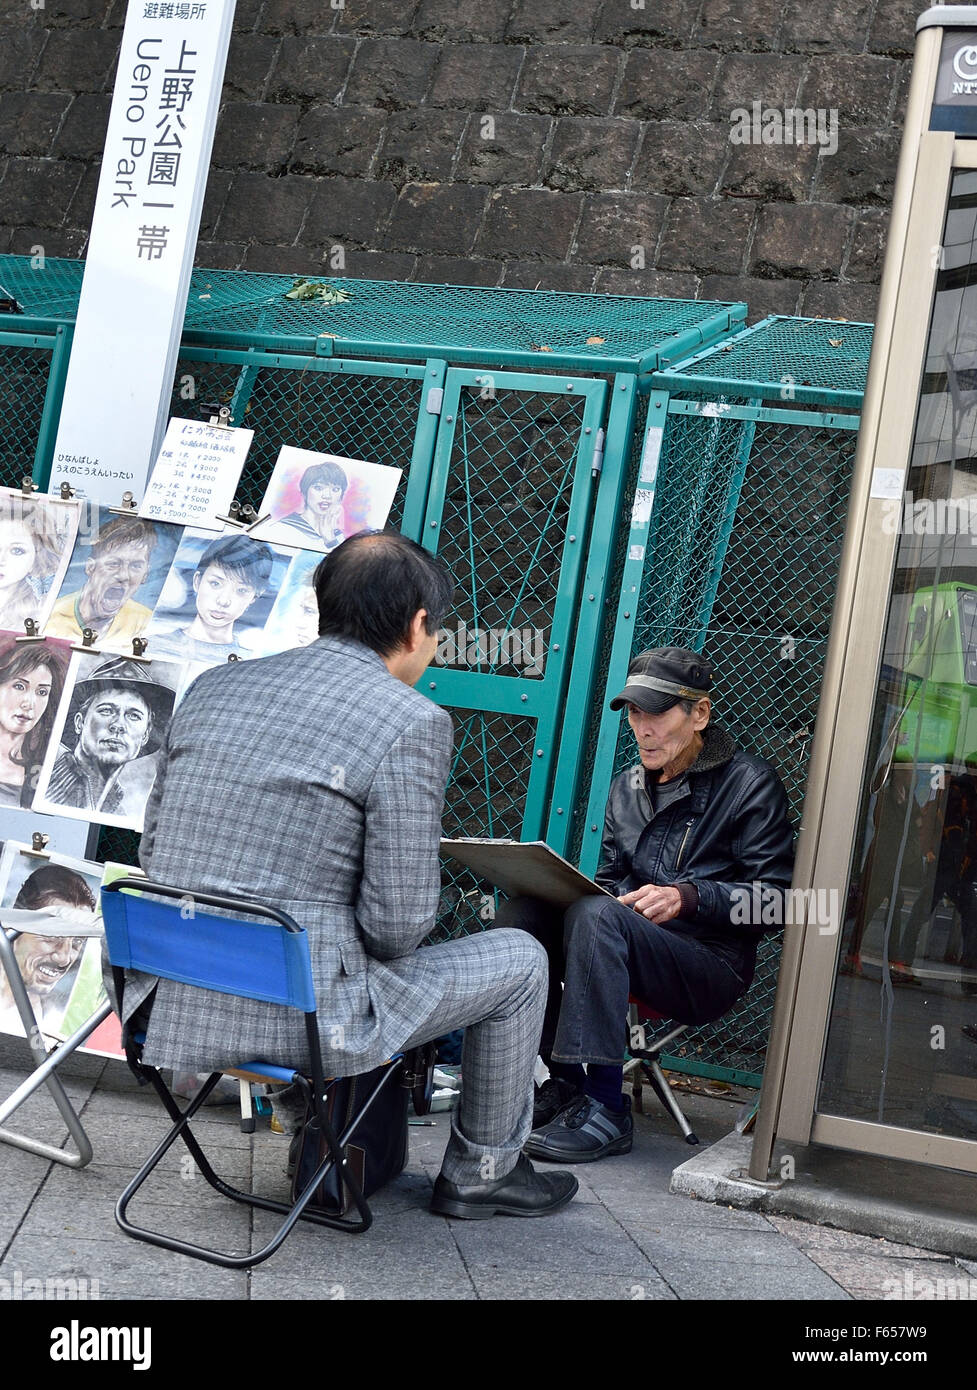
267,960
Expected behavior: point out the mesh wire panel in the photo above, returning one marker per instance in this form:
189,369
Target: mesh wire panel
486,796
446,316
413,319
49,291
503,524
119,846
23,384
767,630
615,572
825,354
355,415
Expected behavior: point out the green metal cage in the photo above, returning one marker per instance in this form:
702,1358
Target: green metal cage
516,419
601,473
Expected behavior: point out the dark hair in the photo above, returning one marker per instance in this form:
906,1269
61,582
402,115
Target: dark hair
241,556
327,472
123,530
19,659
370,587
54,883
128,688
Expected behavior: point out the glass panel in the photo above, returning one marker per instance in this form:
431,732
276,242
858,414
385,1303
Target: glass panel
902,1040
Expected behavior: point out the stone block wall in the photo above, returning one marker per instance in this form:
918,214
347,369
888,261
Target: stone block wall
569,146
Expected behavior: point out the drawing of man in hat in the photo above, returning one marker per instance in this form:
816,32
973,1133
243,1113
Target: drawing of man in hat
116,721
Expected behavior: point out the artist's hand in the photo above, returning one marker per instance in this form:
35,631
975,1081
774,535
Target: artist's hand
657,904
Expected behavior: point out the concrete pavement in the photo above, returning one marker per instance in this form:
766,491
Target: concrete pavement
624,1238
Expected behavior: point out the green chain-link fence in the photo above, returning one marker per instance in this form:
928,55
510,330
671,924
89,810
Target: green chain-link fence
31,384
23,385
503,470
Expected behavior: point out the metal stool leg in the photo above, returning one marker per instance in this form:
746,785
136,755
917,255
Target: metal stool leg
664,1093
644,1062
44,1072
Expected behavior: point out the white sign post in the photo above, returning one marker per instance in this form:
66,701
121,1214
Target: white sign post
140,255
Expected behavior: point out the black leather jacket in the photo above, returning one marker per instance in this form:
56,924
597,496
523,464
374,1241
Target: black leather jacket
730,832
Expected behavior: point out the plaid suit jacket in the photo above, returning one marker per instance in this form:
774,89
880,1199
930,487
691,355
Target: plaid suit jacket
313,780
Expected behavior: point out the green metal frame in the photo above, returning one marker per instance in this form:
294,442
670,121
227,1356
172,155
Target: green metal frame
540,697
47,434
430,374
584,673
640,559
55,339
813,356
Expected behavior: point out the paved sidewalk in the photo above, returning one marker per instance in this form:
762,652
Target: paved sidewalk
625,1237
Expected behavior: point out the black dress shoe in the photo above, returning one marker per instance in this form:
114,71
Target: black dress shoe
523,1192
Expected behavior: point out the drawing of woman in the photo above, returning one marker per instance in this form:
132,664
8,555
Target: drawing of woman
31,681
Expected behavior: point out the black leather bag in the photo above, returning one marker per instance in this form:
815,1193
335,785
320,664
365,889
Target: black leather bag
377,1148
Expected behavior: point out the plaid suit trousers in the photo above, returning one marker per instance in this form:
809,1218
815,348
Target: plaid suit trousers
494,986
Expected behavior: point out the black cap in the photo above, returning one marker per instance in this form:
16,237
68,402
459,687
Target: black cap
658,679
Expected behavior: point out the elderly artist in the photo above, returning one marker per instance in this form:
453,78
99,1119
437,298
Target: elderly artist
685,828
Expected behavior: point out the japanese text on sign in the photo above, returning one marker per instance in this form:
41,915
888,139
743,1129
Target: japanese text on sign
196,473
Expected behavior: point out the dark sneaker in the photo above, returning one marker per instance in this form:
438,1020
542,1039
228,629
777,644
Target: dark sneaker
552,1097
523,1192
583,1132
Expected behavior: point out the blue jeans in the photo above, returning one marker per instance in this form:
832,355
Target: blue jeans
603,951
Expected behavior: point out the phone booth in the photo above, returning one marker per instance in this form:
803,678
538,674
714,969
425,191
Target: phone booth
874,1042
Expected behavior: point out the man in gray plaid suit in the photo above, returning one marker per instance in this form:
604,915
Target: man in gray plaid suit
315,780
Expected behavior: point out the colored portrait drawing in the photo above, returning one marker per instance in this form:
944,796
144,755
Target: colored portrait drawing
317,500
114,578
49,961
217,597
36,538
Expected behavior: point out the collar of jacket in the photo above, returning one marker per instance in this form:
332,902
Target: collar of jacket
348,646
717,749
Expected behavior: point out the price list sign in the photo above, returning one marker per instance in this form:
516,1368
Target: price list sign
196,474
